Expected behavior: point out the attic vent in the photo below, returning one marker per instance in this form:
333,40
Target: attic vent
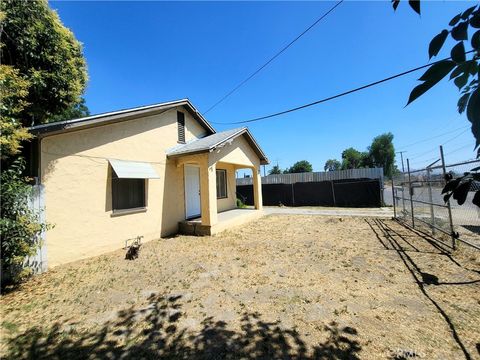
181,127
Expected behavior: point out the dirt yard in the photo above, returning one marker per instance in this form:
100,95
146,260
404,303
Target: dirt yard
285,286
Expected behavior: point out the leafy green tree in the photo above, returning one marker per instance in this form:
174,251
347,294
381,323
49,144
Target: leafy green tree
332,165
43,74
352,159
275,170
464,70
76,111
300,167
382,153
13,91
46,54
463,67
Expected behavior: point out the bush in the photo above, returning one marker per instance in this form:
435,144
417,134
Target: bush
19,225
240,204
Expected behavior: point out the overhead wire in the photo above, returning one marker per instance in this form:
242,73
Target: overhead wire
272,58
363,87
434,137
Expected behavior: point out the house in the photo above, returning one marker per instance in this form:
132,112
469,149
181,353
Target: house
138,172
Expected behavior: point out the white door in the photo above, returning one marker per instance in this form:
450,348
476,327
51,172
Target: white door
192,191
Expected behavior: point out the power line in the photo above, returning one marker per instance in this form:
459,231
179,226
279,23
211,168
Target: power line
273,58
421,154
336,96
435,137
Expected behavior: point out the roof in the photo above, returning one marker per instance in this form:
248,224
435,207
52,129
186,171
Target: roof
211,142
118,116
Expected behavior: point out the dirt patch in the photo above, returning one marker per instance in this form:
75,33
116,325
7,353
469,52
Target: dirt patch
285,286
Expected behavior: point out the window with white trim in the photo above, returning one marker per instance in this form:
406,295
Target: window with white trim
221,184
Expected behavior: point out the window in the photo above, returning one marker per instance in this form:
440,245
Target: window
127,193
181,127
221,184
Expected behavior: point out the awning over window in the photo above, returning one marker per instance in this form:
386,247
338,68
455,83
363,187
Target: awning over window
133,169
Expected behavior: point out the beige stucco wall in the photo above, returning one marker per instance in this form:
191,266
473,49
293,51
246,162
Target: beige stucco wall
229,202
239,153
77,179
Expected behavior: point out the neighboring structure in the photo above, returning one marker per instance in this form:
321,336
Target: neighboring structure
136,172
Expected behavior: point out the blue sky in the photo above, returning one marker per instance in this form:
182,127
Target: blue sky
148,52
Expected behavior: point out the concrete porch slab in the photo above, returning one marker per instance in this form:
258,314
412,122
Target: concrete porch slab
226,220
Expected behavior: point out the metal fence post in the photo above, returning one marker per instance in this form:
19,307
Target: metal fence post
430,200
410,191
394,199
449,208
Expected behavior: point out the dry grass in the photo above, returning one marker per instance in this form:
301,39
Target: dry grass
281,287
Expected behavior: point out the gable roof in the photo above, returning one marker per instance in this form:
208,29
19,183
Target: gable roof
211,142
118,116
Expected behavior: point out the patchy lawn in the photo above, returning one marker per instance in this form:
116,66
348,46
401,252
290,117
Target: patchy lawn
281,287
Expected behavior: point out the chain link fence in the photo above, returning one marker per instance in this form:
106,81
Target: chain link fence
418,201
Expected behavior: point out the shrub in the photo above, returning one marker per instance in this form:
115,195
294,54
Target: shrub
19,224
240,204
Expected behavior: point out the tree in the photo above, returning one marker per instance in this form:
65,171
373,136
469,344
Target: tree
43,74
352,159
382,153
13,91
332,165
76,111
463,67
275,170
465,72
46,54
300,167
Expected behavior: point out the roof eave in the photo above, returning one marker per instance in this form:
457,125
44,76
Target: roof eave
117,116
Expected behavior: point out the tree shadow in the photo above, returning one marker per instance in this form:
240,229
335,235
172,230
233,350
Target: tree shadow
387,235
154,332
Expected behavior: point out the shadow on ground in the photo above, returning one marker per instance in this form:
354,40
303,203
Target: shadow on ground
392,239
153,333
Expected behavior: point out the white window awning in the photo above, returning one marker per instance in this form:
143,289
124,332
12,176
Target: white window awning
133,169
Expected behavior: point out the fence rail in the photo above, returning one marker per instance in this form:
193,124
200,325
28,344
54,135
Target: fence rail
369,173
418,201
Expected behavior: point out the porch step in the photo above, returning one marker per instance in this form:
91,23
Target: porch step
194,228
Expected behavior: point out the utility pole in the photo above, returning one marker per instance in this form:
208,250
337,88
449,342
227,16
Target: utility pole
401,156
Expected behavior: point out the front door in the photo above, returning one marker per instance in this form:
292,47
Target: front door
192,191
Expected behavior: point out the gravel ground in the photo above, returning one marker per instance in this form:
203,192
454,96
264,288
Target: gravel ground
284,286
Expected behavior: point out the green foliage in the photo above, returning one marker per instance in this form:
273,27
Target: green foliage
332,165
464,70
13,90
275,170
352,159
382,153
465,74
458,188
46,54
300,167
75,111
42,76
19,226
240,204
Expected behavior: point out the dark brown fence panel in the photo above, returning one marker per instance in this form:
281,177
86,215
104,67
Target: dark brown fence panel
342,193
313,193
363,193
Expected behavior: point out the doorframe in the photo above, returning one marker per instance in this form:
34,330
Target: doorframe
185,192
